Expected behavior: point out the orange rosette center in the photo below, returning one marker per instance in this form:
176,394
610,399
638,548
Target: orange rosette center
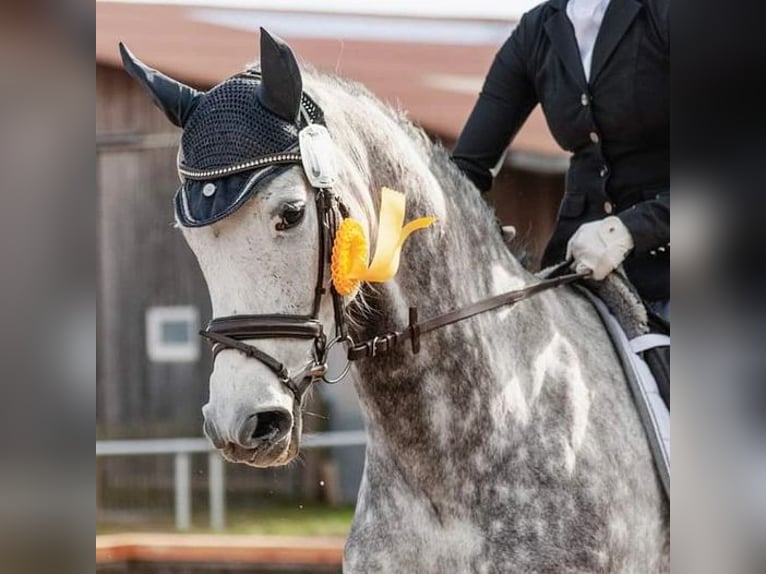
349,256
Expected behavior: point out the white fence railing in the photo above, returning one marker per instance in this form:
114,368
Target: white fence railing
182,448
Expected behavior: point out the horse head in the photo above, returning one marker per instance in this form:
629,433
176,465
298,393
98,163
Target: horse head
253,220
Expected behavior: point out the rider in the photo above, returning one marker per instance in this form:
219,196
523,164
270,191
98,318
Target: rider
600,70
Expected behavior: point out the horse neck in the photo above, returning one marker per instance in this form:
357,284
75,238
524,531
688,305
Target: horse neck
428,412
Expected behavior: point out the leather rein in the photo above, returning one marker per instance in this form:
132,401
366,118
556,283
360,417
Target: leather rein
413,331
232,331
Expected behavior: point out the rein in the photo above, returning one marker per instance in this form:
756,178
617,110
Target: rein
387,342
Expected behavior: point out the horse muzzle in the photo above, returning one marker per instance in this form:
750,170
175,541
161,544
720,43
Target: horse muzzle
260,438
264,437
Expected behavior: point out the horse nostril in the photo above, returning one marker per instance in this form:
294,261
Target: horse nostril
212,434
267,426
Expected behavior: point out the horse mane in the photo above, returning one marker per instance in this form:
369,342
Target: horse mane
359,133
455,185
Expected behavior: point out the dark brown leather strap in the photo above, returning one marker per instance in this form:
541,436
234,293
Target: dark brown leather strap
388,341
243,327
324,207
222,342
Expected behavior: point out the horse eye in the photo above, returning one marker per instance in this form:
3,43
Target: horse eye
291,216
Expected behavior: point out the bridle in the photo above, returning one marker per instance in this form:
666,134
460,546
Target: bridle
232,331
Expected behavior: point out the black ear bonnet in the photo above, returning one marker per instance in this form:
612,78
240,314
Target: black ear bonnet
237,135
223,140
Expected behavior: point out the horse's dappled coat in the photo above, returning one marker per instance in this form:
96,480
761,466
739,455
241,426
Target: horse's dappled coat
563,480
510,443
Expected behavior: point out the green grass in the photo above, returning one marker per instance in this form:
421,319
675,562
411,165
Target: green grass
295,520
284,520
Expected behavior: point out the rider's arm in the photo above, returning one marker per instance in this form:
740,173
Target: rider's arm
504,103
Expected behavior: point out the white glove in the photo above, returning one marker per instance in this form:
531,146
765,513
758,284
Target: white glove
600,246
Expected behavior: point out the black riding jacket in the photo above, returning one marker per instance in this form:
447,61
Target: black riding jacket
617,125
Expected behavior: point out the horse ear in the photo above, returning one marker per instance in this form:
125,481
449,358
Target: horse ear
281,83
175,99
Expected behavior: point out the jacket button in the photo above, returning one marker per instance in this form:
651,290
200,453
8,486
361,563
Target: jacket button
603,171
608,207
584,99
594,137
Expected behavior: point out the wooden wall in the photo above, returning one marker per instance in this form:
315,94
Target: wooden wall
144,262
529,201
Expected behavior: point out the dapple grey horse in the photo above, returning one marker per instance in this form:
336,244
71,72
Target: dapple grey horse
509,443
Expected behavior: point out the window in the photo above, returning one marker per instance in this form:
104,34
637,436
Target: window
171,334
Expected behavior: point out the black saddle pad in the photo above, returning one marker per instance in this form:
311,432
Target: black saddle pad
658,358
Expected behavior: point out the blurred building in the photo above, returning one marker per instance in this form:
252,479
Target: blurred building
152,369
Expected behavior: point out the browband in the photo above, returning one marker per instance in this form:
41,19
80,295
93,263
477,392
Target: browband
263,161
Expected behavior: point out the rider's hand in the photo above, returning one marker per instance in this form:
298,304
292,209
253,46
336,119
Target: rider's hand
600,246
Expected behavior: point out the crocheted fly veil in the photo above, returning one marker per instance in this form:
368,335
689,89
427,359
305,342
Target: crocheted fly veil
237,135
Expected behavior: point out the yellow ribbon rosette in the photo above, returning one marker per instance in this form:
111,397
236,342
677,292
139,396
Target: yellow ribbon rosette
350,251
